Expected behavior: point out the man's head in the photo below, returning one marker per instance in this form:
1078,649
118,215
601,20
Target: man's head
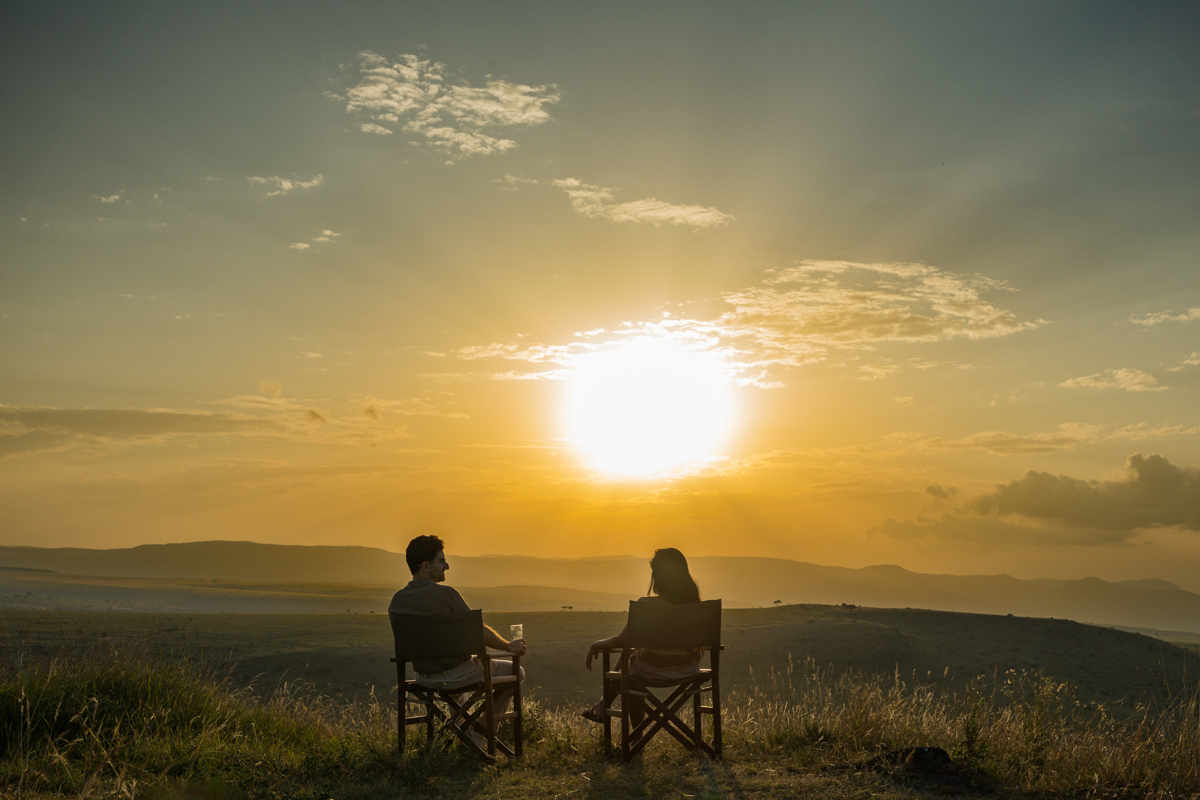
426,556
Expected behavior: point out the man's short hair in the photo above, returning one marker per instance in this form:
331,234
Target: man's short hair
422,549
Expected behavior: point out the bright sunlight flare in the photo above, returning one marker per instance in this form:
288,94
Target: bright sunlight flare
648,407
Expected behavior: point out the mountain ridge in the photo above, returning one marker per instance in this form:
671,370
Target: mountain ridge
743,581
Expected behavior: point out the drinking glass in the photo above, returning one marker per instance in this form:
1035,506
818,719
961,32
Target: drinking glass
516,631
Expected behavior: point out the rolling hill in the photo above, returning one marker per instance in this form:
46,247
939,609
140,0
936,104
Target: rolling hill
603,583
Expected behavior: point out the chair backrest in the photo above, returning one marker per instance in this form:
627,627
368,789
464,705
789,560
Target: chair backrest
666,625
422,638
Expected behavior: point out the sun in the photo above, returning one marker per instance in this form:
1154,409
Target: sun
647,407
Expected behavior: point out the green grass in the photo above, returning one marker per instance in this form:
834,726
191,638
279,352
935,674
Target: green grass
124,718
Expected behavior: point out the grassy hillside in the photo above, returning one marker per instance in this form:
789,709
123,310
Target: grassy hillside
347,654
120,715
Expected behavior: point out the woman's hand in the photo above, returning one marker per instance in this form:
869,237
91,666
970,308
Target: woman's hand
594,651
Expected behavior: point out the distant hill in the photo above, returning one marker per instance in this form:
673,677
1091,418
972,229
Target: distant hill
1146,604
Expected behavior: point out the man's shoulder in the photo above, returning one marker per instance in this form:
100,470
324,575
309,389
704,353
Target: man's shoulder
427,597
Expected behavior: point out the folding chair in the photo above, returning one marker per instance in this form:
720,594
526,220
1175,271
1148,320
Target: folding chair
664,626
458,708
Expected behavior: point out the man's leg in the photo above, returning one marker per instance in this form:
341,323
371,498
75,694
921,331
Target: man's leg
502,668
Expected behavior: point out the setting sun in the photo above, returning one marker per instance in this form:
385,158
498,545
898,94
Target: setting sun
648,407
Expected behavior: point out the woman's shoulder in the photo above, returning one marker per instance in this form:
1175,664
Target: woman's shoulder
651,598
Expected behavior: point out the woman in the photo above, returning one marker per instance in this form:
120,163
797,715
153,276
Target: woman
670,582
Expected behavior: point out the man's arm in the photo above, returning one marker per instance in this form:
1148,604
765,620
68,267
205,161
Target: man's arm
498,642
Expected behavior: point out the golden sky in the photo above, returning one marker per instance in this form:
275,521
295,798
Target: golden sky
848,283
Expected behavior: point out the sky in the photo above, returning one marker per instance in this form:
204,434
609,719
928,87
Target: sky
849,283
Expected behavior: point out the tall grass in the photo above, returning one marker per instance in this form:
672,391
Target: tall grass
122,719
1023,730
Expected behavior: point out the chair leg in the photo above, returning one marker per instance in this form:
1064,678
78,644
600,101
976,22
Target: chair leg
625,703
518,733
716,712
606,700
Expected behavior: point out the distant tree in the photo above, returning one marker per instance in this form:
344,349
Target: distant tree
778,602
568,608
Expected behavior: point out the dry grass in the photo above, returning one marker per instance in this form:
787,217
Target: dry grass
102,718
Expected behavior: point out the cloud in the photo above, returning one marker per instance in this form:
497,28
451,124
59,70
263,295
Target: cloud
596,201
1065,437
325,237
40,429
1151,493
270,387
285,185
1192,360
1057,509
410,407
1131,380
315,416
795,316
420,97
938,493
110,199
1008,444
1166,316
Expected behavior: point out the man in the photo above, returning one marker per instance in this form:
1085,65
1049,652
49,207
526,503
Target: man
426,595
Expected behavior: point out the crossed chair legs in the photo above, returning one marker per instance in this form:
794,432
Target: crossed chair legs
467,717
658,714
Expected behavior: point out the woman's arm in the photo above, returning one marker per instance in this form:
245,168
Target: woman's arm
604,644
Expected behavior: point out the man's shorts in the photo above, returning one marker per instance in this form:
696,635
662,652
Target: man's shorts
465,674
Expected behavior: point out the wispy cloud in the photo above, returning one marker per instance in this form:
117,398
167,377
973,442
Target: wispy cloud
1008,444
1131,380
110,199
34,429
1191,361
1166,316
797,315
325,237
1067,436
280,185
599,202
421,97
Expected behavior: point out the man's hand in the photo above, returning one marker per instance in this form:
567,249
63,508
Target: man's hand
516,646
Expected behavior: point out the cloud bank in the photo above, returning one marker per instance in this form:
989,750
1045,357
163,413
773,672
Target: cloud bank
1058,509
420,97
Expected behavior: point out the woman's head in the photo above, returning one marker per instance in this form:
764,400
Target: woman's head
670,579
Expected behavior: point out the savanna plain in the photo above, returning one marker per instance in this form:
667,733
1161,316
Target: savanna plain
815,699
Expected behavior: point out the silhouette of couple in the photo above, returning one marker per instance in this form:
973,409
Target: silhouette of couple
426,594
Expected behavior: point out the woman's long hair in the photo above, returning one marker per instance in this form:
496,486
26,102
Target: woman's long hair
670,579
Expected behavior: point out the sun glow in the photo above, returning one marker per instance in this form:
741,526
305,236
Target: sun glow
648,407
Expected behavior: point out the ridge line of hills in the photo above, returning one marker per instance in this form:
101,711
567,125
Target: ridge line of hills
740,581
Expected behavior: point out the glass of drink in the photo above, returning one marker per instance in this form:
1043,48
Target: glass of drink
516,631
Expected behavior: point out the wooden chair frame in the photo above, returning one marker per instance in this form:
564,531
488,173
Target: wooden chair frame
458,635
666,626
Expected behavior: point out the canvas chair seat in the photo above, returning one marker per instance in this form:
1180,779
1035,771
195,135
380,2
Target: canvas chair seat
666,626
466,712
